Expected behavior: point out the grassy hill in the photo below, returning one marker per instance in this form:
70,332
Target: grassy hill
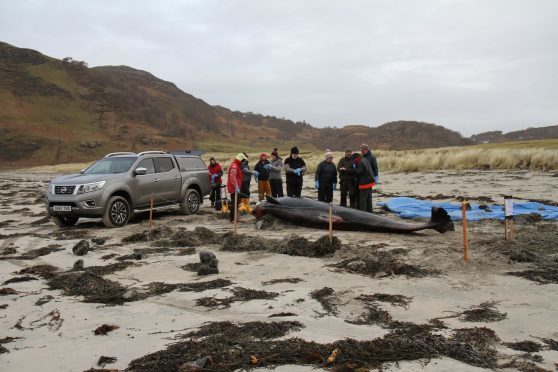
61,111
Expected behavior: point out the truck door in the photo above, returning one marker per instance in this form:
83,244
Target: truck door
144,185
168,180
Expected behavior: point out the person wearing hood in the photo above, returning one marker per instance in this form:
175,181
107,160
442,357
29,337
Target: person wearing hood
215,174
234,181
263,167
295,167
275,180
326,178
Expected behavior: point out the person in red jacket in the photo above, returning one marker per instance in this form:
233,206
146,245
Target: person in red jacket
234,180
215,174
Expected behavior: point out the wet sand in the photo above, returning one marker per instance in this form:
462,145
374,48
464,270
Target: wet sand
58,335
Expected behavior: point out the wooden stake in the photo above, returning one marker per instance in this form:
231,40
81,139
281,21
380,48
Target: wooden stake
330,223
235,211
465,243
151,213
508,212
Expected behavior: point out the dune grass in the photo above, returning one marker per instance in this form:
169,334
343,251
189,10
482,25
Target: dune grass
529,155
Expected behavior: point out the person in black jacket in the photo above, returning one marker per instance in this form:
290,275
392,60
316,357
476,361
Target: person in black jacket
347,179
295,168
367,154
365,181
262,167
326,178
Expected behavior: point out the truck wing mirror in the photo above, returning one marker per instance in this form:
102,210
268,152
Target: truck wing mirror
140,171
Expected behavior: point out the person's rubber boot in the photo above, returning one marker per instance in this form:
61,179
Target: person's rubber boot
243,205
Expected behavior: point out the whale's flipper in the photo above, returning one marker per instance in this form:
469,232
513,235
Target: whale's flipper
272,200
442,220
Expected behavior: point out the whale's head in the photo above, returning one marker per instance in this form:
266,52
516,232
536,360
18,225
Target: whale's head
259,211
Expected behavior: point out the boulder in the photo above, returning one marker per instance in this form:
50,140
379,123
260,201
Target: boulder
81,248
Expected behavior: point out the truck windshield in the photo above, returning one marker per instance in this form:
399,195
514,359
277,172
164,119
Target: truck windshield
111,166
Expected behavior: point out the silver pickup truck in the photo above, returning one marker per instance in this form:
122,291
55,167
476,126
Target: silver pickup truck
122,183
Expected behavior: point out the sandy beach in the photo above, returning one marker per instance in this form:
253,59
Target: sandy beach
158,299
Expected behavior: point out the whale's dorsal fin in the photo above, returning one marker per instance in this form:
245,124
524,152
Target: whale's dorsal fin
272,200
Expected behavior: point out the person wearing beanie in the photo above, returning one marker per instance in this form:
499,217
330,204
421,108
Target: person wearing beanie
263,167
326,178
346,179
275,180
295,167
234,180
367,154
215,174
365,182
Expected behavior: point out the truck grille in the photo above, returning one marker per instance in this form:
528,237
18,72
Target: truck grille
64,189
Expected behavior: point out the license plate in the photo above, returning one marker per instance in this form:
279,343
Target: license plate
62,208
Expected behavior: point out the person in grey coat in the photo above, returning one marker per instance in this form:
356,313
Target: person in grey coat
276,165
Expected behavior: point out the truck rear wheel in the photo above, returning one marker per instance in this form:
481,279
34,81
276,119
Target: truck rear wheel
65,220
117,213
191,202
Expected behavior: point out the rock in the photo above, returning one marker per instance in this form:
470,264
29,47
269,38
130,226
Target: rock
206,270
357,265
78,265
205,257
213,262
81,248
130,295
137,255
99,241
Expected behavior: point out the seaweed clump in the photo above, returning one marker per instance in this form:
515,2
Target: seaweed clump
485,312
292,246
239,295
382,264
92,286
251,345
527,346
325,297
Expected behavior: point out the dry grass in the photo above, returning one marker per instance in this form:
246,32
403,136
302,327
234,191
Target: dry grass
532,155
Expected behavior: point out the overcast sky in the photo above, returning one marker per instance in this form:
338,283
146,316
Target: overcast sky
469,65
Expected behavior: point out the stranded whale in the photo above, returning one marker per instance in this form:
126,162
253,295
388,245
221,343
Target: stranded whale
312,213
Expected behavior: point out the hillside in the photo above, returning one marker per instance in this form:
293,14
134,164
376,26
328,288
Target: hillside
57,111
61,111
397,135
528,134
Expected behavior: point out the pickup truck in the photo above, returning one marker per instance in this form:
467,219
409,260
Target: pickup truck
122,183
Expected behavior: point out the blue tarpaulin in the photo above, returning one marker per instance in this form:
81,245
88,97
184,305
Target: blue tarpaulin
414,208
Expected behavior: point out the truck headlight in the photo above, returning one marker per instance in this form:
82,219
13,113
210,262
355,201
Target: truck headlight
90,187
51,188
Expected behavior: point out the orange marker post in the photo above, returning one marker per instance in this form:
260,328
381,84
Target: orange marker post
151,213
330,223
465,243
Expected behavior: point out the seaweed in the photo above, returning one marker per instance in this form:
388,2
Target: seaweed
285,280
240,294
250,345
527,346
325,297
383,264
485,312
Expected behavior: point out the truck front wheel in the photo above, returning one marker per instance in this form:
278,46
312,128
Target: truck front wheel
117,213
191,202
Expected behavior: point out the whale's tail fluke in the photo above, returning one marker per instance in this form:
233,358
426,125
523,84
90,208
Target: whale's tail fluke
441,220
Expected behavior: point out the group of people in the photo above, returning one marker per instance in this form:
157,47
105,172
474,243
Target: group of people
358,172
